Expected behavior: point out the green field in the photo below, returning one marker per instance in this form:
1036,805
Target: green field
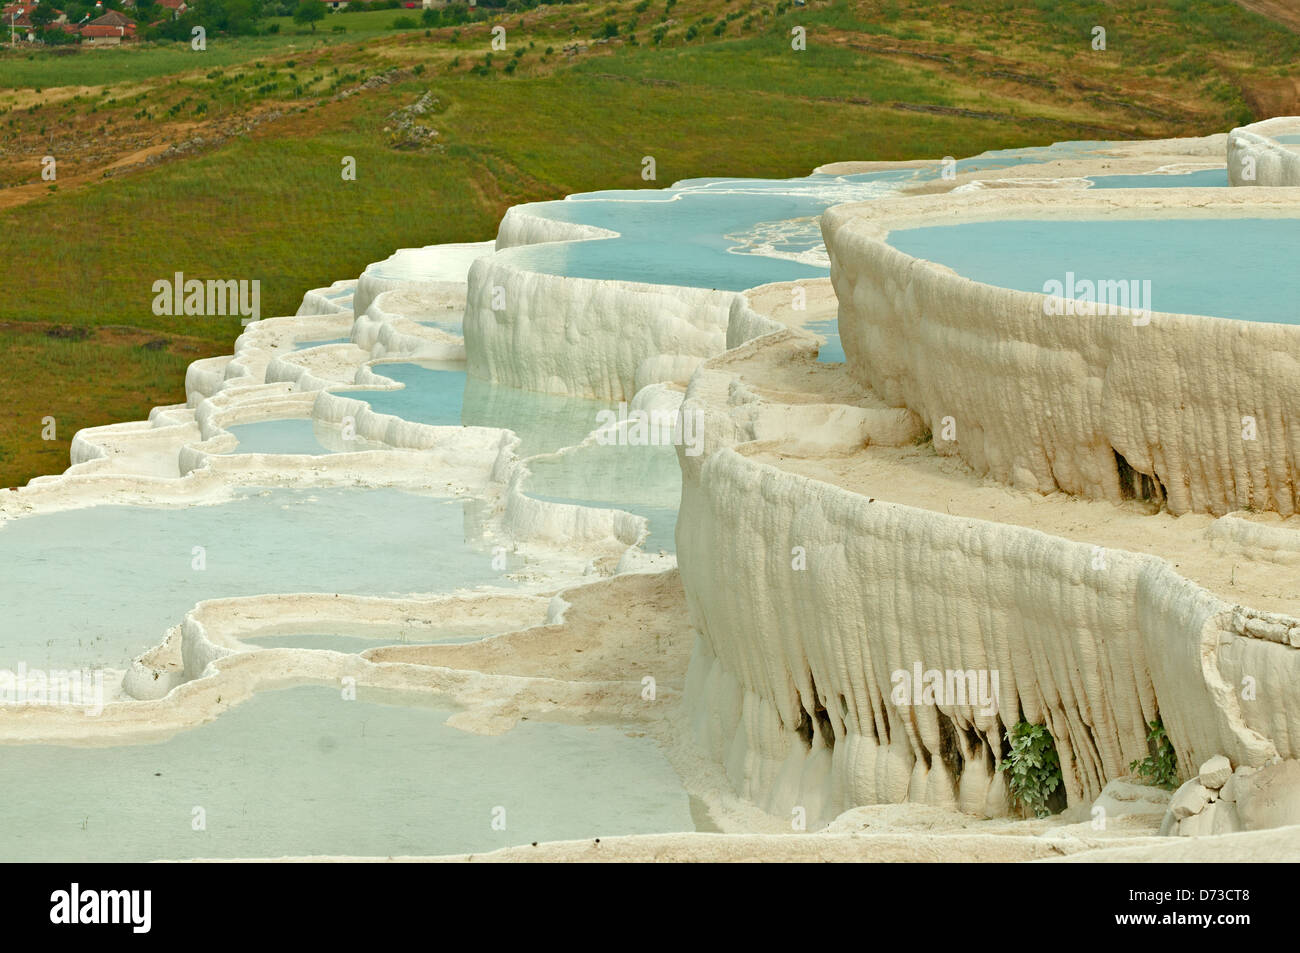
131,64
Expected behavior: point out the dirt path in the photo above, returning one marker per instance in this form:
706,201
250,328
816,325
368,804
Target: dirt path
1286,12
22,194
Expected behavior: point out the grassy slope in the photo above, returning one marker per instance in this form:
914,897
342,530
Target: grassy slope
270,203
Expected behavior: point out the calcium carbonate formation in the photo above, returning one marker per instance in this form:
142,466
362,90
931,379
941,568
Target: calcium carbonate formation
986,514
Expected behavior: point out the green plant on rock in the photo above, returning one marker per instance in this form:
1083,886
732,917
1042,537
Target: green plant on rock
1033,767
1160,767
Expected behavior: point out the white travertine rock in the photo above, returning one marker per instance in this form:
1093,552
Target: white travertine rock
1256,158
1168,825
792,674
582,337
579,336
431,267
1053,402
1122,797
1270,797
1215,772
521,225
1218,817
1190,799
333,299
1230,787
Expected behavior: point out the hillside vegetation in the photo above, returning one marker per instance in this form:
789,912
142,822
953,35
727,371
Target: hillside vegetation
226,163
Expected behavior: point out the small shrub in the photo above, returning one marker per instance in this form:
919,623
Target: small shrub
1033,766
1160,767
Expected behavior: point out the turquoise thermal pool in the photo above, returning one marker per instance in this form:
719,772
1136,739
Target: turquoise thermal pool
452,325
444,395
832,351
643,480
728,234
1202,178
294,435
302,771
429,395
1243,267
95,587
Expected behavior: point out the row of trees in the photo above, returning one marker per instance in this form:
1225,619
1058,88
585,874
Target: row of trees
232,17
313,11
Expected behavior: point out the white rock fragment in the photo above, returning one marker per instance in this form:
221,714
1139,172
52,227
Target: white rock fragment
1190,799
1119,798
1217,818
1215,772
1168,826
1270,797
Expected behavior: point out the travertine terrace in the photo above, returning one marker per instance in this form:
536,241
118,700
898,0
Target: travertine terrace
1091,537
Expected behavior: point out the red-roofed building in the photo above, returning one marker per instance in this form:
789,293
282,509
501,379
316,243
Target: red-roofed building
18,17
112,29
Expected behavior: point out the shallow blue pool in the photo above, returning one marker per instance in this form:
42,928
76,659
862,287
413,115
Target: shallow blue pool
451,326
277,436
1202,178
447,396
97,586
1232,268
1290,139
727,234
429,396
832,352
303,771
